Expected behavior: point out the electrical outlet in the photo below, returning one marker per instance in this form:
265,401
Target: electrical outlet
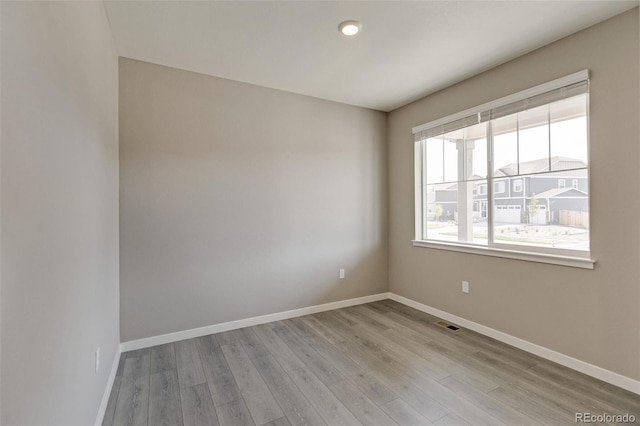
341,274
97,359
465,286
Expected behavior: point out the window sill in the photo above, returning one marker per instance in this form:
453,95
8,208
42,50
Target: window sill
574,262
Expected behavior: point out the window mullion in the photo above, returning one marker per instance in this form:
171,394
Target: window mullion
423,183
489,184
518,144
549,133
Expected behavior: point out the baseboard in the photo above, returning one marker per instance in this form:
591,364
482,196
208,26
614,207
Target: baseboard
616,379
575,364
107,392
248,322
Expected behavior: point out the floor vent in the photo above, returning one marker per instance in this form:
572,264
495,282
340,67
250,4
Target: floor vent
449,326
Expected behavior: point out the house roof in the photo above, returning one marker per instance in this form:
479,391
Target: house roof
554,192
541,165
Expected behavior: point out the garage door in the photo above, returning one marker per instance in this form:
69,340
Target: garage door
506,214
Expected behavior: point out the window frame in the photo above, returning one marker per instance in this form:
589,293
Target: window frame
573,258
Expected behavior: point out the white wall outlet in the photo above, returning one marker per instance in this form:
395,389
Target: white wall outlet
97,359
465,286
341,274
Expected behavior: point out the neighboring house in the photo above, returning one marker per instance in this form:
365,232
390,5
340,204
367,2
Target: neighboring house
561,197
446,196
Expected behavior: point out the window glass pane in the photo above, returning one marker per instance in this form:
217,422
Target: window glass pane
545,215
480,209
533,140
451,155
505,145
456,214
506,209
569,133
442,201
475,138
434,160
428,209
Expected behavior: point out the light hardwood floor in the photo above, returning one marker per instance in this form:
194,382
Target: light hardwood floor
381,363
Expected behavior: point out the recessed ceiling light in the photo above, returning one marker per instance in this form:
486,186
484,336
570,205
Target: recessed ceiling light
350,28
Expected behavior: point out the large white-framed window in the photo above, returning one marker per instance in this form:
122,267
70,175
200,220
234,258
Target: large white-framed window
529,141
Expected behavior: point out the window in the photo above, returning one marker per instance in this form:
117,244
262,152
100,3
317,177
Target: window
539,135
517,185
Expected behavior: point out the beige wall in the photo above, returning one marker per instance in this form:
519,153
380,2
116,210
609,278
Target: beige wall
594,315
59,211
238,200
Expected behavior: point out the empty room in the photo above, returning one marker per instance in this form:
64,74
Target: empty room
319,213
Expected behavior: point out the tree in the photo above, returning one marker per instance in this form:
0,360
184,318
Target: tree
533,208
437,211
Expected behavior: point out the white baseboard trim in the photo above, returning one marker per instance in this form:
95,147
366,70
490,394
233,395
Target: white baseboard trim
248,322
608,376
107,392
616,379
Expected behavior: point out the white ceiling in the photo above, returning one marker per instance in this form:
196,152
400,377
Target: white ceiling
406,49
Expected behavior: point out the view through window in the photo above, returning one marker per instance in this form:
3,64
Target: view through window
517,181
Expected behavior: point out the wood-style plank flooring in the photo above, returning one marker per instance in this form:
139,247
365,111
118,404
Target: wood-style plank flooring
381,363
